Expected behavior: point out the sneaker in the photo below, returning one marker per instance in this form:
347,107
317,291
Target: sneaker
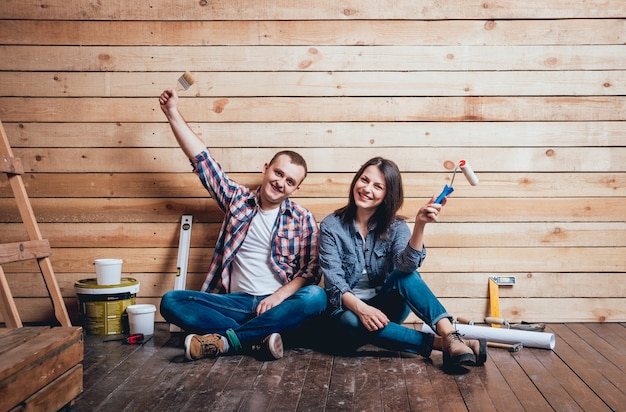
203,346
270,348
456,351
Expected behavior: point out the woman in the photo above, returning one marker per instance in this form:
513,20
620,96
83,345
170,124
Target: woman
370,258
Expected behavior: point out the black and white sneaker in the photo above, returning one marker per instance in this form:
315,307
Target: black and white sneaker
270,348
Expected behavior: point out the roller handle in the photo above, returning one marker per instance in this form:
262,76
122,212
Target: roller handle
446,191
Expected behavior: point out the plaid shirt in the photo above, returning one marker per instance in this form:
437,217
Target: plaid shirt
294,240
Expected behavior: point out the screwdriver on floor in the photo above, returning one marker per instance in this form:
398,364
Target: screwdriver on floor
130,340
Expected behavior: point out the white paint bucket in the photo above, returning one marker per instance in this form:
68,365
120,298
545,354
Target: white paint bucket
108,271
141,318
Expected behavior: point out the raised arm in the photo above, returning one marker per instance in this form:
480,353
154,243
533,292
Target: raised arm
428,213
187,139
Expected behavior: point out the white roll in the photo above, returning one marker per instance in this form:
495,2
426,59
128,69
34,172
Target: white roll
468,172
529,339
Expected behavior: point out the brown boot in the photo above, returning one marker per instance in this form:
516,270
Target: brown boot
458,351
203,346
479,348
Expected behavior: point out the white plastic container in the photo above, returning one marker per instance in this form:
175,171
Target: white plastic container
141,318
108,271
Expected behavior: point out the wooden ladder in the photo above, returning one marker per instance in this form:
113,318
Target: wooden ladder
34,248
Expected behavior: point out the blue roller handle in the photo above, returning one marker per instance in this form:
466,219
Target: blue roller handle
446,191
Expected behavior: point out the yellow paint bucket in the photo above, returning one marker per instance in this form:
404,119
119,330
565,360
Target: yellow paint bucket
103,307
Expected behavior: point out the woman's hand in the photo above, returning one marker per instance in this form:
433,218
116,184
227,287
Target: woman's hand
372,318
429,213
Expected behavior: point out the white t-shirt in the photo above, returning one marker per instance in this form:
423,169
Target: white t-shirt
251,269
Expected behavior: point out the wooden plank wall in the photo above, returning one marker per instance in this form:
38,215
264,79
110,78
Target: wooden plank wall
531,93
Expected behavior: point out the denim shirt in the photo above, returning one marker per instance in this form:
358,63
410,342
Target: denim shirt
343,256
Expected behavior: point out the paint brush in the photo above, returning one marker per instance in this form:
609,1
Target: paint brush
185,81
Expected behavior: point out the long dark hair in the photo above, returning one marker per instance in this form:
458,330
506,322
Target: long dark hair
386,212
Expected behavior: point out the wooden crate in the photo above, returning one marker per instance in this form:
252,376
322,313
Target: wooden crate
40,367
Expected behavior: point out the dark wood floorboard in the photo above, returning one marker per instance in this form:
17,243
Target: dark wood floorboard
522,387
316,384
585,372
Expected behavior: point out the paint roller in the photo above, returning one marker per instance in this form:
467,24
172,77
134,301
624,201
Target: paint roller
469,175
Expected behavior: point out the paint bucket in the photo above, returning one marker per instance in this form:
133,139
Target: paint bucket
103,307
141,318
108,271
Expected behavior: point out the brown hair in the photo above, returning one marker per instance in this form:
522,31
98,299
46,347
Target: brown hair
394,197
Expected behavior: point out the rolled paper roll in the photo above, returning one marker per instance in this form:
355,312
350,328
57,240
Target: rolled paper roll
468,172
530,339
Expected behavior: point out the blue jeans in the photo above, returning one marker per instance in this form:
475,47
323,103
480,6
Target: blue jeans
401,294
225,314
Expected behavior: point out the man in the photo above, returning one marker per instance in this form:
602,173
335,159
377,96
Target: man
263,277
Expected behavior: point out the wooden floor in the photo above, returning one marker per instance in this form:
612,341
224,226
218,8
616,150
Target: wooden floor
585,372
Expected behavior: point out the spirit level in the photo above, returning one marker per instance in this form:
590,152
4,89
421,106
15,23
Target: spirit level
180,282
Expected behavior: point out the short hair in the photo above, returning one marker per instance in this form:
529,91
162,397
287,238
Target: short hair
296,159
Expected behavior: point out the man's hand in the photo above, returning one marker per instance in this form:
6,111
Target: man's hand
168,100
269,302
187,139
280,295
